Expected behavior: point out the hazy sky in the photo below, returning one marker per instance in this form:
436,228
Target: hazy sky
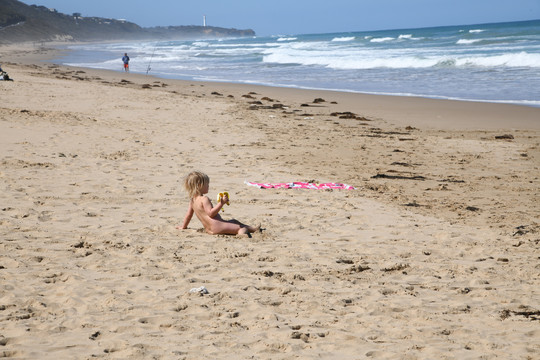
288,17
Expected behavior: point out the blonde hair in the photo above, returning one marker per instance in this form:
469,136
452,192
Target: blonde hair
194,182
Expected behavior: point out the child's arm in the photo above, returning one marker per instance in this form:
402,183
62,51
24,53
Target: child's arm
212,211
189,215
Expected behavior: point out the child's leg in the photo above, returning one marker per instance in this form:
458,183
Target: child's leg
247,228
232,227
225,228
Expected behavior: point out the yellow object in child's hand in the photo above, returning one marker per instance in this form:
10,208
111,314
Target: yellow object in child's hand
220,196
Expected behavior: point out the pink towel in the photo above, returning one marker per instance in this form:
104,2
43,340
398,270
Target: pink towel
300,185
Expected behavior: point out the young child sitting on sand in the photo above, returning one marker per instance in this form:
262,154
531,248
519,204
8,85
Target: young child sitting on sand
197,184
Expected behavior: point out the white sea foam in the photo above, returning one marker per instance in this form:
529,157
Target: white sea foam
476,31
405,36
521,59
380,40
347,60
357,60
467,41
287,39
201,44
343,39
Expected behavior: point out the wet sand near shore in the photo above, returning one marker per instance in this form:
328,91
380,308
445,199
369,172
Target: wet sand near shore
433,255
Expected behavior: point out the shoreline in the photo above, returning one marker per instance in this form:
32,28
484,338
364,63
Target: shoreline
527,103
434,252
527,119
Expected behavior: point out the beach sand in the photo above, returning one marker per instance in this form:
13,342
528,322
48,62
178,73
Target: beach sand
434,255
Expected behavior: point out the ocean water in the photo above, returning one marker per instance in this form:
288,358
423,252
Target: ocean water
486,62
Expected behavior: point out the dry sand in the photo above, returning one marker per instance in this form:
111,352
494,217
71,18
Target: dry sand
435,255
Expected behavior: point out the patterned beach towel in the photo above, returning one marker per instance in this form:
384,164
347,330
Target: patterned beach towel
300,185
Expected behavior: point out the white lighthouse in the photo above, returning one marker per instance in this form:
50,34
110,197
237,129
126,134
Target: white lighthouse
204,20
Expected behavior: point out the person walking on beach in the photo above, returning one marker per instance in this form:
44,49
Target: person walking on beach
197,184
125,59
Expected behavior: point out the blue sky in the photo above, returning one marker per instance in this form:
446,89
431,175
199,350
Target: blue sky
288,17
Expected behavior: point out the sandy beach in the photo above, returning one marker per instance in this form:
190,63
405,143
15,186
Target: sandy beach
434,255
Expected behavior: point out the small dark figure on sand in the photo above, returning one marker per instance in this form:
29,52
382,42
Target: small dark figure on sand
4,75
